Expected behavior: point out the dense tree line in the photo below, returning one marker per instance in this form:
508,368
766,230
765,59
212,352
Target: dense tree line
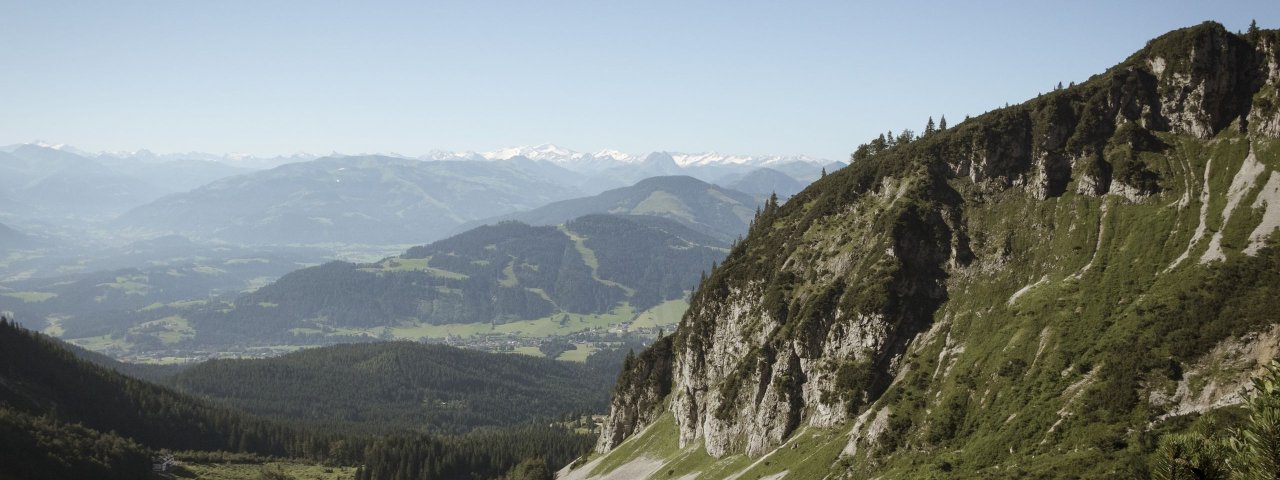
42,377
480,455
402,386
888,140
40,447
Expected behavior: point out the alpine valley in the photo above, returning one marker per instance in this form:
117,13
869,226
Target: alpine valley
1082,285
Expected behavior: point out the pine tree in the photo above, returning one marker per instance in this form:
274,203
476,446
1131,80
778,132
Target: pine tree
824,172
1256,446
906,136
942,124
929,127
1250,452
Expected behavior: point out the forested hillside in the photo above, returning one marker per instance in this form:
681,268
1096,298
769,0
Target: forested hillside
403,386
61,417
712,210
493,275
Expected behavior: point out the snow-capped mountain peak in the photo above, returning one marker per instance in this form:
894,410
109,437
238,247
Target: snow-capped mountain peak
546,151
566,157
60,146
715,158
617,155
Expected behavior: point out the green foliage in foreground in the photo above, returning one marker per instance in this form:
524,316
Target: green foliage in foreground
1250,451
41,447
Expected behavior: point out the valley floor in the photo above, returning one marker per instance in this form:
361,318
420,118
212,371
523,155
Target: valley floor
258,471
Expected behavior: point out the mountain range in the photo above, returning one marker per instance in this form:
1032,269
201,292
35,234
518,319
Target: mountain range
301,199
535,278
346,200
710,209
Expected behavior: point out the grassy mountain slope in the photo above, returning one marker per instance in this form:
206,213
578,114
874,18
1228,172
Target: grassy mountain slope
1037,292
707,208
492,275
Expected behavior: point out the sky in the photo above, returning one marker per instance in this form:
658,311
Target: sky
742,77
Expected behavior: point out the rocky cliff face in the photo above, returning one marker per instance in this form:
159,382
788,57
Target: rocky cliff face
642,388
1029,275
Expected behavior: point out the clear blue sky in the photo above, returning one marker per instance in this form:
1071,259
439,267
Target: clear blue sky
817,78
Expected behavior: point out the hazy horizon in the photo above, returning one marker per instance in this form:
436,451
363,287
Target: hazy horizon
502,153
276,79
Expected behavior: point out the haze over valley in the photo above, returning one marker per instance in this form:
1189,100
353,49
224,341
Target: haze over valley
147,274
972,241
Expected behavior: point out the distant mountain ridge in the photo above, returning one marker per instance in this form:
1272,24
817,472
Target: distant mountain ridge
494,274
57,182
546,152
608,157
385,200
371,199
707,208
764,181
